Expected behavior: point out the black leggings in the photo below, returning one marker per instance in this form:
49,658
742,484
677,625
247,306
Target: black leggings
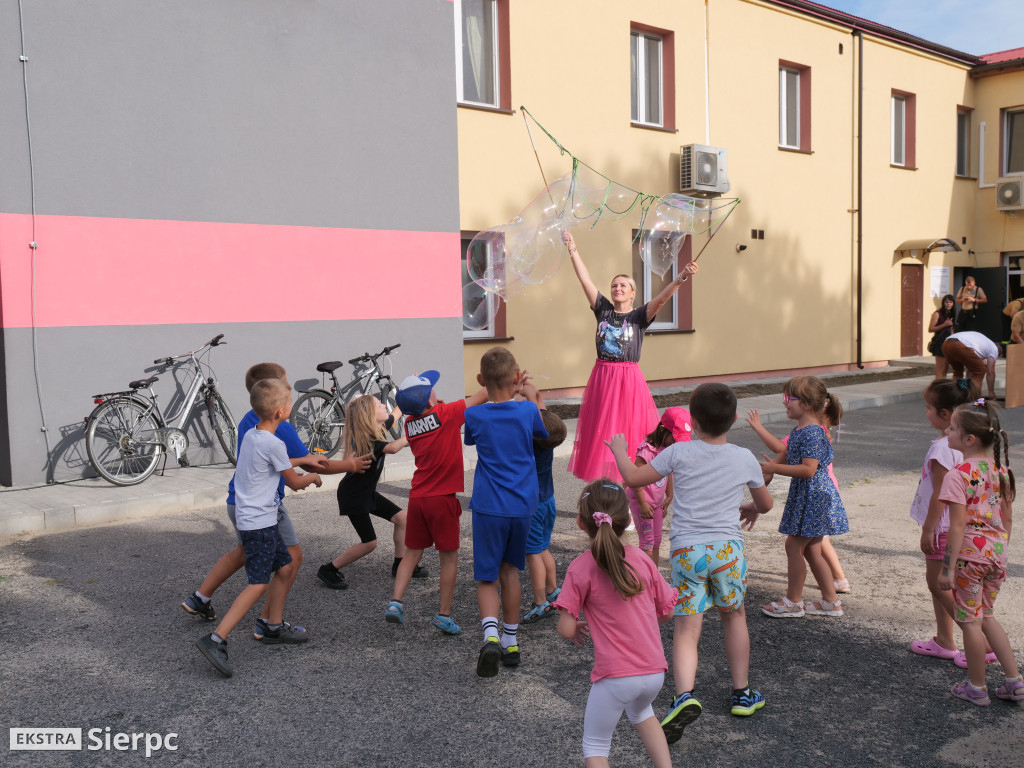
383,507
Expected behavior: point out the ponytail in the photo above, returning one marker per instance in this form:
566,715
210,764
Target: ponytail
604,511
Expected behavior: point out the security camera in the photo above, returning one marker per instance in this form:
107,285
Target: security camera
740,247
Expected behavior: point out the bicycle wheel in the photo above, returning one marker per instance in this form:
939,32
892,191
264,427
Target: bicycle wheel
320,421
223,424
120,441
387,396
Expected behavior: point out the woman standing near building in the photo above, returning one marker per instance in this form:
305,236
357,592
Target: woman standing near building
941,326
617,398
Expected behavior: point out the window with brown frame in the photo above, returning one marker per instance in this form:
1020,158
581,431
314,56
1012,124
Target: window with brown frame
794,106
652,77
482,71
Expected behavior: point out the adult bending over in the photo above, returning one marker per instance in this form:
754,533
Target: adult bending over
975,352
617,398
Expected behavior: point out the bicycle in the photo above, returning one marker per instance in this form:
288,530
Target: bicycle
319,415
127,432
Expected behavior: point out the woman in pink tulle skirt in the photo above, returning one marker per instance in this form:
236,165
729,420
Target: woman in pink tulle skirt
617,398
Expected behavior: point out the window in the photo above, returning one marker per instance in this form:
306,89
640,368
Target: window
482,53
794,106
963,141
677,313
652,77
486,304
903,127
1013,142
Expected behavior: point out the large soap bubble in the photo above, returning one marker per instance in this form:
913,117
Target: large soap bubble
542,256
478,307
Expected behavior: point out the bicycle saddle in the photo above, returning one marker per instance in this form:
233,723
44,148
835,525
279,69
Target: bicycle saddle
329,366
140,383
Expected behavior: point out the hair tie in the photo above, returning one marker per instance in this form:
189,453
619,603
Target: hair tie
980,401
600,518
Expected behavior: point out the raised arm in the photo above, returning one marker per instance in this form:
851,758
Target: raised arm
772,443
632,475
582,273
654,305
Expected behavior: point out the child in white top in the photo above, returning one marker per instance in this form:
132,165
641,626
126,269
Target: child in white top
261,459
941,397
625,598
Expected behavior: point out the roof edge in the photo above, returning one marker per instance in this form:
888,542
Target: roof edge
878,30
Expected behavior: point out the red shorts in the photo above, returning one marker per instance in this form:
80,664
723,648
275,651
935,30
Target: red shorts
433,521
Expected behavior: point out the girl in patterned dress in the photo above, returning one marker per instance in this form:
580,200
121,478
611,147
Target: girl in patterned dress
813,507
979,493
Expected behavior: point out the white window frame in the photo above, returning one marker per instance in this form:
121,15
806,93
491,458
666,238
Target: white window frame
898,101
659,325
495,58
638,78
784,99
1008,115
487,332
963,142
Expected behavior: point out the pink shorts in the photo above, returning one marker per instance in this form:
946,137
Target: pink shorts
648,529
433,521
975,588
940,546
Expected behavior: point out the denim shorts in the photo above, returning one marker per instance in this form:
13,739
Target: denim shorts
285,529
265,553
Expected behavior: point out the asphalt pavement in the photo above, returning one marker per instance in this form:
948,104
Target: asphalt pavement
94,638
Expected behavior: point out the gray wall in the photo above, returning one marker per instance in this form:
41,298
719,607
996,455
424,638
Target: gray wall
328,114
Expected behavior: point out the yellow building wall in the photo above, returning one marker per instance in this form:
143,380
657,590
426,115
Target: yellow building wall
787,301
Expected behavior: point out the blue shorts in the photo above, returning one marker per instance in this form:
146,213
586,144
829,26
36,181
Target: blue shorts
285,529
497,540
265,553
706,575
541,525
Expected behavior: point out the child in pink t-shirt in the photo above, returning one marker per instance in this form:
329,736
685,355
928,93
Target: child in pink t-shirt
624,598
648,503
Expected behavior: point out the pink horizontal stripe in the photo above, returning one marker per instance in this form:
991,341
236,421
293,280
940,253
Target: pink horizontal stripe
94,271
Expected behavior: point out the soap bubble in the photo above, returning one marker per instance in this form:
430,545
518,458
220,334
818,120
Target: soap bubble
543,255
478,307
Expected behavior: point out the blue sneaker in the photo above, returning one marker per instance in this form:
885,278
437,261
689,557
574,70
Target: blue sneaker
192,604
685,709
394,614
446,625
746,702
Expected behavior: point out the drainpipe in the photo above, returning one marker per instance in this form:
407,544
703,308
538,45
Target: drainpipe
860,186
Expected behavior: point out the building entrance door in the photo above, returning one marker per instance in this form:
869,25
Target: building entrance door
911,300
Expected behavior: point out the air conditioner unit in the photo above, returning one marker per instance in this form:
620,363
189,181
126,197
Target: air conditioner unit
703,170
1010,194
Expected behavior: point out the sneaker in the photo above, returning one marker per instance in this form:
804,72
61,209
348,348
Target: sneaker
746,702
490,656
216,653
194,605
967,693
510,656
539,612
331,577
1011,690
685,709
394,613
285,634
446,625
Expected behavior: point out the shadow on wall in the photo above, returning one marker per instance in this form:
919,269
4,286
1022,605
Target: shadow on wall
69,458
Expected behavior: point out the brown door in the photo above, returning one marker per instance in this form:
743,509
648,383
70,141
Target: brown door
911,299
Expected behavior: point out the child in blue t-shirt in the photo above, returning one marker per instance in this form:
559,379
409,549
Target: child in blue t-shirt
199,602
539,562
505,496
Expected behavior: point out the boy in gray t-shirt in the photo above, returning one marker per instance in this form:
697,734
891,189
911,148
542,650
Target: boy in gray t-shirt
709,477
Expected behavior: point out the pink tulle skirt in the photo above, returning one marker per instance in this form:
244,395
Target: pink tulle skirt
617,399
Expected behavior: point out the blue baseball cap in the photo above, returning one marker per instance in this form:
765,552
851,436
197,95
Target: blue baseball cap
413,395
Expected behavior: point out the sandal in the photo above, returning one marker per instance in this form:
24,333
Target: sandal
539,612
1011,690
394,614
932,648
824,608
842,586
967,693
784,610
960,659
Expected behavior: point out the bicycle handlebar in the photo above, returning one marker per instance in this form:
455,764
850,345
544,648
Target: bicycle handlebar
366,357
214,342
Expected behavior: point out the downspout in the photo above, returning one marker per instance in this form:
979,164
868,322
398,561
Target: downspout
707,80
860,186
